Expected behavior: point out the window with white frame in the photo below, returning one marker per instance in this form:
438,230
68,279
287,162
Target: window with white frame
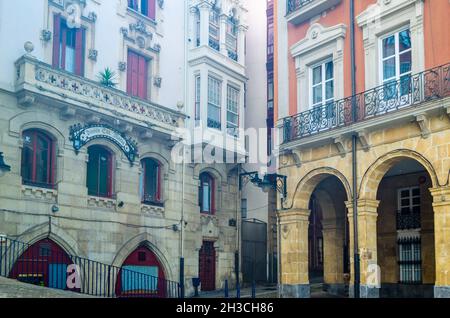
197,100
214,103
322,84
396,63
232,111
231,38
214,30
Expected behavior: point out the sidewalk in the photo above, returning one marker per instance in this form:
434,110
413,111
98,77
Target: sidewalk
261,292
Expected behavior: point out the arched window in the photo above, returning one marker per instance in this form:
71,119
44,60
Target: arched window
38,159
206,194
151,181
100,172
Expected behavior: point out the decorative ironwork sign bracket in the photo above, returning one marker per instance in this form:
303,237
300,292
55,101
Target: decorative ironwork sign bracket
81,135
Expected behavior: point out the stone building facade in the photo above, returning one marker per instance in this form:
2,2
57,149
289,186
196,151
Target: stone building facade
91,163
399,118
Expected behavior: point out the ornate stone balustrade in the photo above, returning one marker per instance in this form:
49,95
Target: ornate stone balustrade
35,78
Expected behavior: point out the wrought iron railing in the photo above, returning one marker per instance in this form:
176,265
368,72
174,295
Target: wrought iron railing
409,91
49,268
408,221
294,5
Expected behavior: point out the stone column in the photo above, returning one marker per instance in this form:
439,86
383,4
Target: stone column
223,34
204,9
194,14
242,30
367,241
294,225
333,248
441,208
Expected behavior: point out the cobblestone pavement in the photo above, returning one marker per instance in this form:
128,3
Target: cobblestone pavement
10,288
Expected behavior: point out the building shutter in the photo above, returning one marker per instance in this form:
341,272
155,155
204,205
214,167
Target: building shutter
142,78
151,8
56,39
79,51
132,80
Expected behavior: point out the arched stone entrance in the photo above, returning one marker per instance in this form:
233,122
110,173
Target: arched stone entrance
141,275
44,263
323,193
396,227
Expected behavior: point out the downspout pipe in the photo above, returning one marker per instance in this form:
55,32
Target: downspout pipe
356,260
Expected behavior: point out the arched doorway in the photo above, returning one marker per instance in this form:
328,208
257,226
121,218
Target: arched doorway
141,275
328,238
405,231
44,263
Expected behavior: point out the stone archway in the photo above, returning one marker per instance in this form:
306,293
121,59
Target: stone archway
376,172
151,243
294,229
389,181
308,184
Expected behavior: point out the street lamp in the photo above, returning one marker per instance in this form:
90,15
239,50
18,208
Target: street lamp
268,182
4,168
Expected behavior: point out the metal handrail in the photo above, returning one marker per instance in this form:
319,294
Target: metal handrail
48,268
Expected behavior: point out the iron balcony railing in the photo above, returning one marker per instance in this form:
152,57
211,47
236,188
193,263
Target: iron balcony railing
49,268
294,5
409,91
408,220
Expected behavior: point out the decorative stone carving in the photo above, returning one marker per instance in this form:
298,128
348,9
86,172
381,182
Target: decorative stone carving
104,203
157,82
92,16
40,194
93,54
140,41
122,66
157,48
141,28
46,35
152,210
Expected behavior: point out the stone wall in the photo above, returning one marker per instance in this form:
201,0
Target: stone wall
97,228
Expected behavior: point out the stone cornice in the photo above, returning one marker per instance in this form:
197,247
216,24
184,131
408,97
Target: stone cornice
382,9
316,37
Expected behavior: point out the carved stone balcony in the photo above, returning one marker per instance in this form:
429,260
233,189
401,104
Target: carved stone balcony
71,94
299,11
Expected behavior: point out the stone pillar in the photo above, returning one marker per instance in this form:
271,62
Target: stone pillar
194,15
223,34
242,30
294,225
333,249
441,208
367,241
204,9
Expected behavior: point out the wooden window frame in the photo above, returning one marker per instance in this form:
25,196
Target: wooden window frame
51,160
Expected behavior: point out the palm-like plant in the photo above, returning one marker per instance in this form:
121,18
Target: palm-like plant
107,78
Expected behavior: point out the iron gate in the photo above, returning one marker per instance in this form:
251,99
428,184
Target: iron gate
254,251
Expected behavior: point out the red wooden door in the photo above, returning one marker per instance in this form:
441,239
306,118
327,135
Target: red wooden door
141,275
43,263
207,266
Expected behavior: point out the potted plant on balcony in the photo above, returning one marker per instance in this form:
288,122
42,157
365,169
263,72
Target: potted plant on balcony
107,78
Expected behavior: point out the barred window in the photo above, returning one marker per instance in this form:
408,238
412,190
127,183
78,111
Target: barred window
410,260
